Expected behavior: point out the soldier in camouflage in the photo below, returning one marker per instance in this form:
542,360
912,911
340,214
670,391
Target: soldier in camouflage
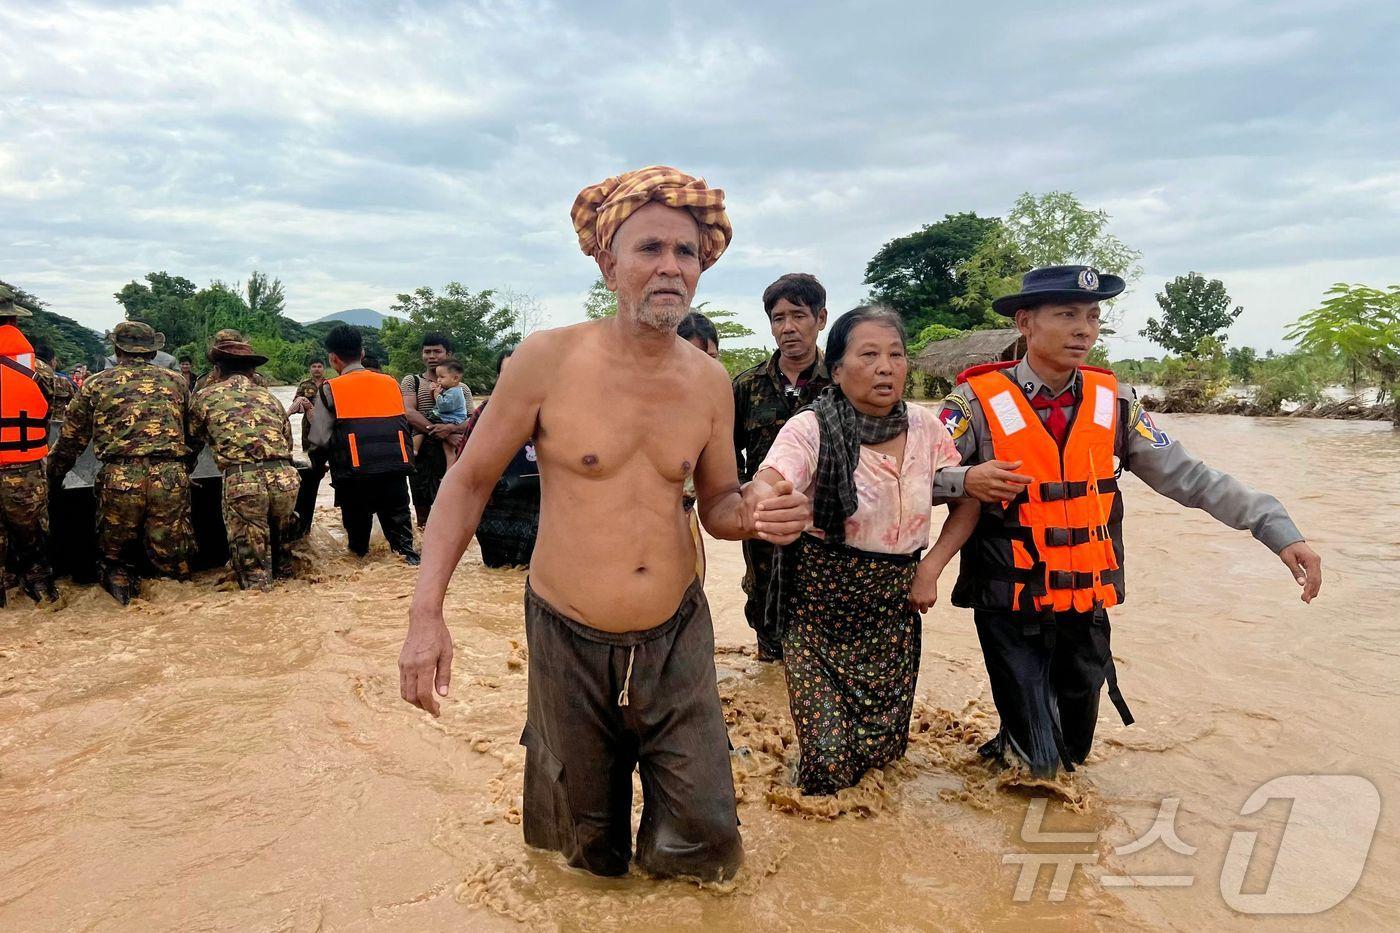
134,414
226,335
248,431
24,487
765,397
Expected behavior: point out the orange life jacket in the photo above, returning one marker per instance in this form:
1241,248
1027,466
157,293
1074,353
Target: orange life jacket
371,434
24,412
1062,528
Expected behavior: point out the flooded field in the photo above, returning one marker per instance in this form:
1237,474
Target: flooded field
214,760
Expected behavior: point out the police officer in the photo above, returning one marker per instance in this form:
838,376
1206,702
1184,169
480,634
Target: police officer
26,392
765,397
359,421
134,414
248,431
1042,442
311,482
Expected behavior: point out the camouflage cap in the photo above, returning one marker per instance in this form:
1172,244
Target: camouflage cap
8,307
136,337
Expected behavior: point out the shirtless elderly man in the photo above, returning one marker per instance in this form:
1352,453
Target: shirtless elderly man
622,670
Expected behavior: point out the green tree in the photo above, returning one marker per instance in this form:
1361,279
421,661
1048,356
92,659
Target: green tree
1242,362
1289,377
599,302
931,334
920,274
1055,229
1204,371
1145,371
725,321
72,342
480,328
738,359
264,296
1051,229
165,302
1192,307
1361,325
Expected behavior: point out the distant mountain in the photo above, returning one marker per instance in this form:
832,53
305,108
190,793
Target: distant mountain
360,317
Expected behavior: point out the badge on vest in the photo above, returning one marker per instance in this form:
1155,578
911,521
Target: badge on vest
956,416
1008,415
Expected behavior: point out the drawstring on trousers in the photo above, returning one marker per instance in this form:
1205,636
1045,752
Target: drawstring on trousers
622,698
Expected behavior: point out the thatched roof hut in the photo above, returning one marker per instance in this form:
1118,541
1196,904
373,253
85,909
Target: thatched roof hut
946,358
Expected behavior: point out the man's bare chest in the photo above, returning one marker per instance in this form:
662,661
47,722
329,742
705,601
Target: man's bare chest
616,426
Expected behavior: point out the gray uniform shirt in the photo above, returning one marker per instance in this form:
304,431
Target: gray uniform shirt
1141,447
323,413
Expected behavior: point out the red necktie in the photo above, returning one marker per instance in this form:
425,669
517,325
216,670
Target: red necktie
1057,423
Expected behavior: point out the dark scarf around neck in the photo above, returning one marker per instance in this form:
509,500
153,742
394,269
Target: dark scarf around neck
843,431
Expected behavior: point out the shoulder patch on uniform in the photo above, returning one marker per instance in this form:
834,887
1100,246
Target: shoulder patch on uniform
1149,430
956,415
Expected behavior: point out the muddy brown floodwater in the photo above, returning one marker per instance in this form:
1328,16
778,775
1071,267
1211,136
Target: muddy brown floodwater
214,760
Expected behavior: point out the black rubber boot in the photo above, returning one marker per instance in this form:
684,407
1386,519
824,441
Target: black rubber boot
123,591
41,590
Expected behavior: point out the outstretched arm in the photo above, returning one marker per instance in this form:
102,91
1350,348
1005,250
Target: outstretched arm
764,508
425,664
1169,468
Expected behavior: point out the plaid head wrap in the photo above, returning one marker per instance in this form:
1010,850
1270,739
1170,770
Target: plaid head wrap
842,430
600,209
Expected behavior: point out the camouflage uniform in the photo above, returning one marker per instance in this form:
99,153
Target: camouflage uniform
210,378
134,414
251,438
764,400
24,506
63,392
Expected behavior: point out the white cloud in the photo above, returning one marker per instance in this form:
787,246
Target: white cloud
360,150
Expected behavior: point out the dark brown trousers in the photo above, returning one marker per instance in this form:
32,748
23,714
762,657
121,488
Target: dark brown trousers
602,704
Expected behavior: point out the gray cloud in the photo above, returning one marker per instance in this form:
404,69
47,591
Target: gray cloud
357,149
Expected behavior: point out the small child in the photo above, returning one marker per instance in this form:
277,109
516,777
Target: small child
452,406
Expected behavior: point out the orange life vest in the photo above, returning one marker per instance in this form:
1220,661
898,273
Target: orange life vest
371,433
1062,528
24,412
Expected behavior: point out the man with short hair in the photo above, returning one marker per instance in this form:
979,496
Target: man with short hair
765,397
419,396
187,369
247,429
700,331
621,647
1042,441
27,392
358,420
310,483
134,414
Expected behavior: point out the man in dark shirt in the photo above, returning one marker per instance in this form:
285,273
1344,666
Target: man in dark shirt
765,397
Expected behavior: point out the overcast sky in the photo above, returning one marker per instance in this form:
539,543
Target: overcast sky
361,149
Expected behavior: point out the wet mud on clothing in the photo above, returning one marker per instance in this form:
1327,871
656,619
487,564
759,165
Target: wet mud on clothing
602,704
1046,678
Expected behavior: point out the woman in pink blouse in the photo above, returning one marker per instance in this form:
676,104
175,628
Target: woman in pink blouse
851,637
